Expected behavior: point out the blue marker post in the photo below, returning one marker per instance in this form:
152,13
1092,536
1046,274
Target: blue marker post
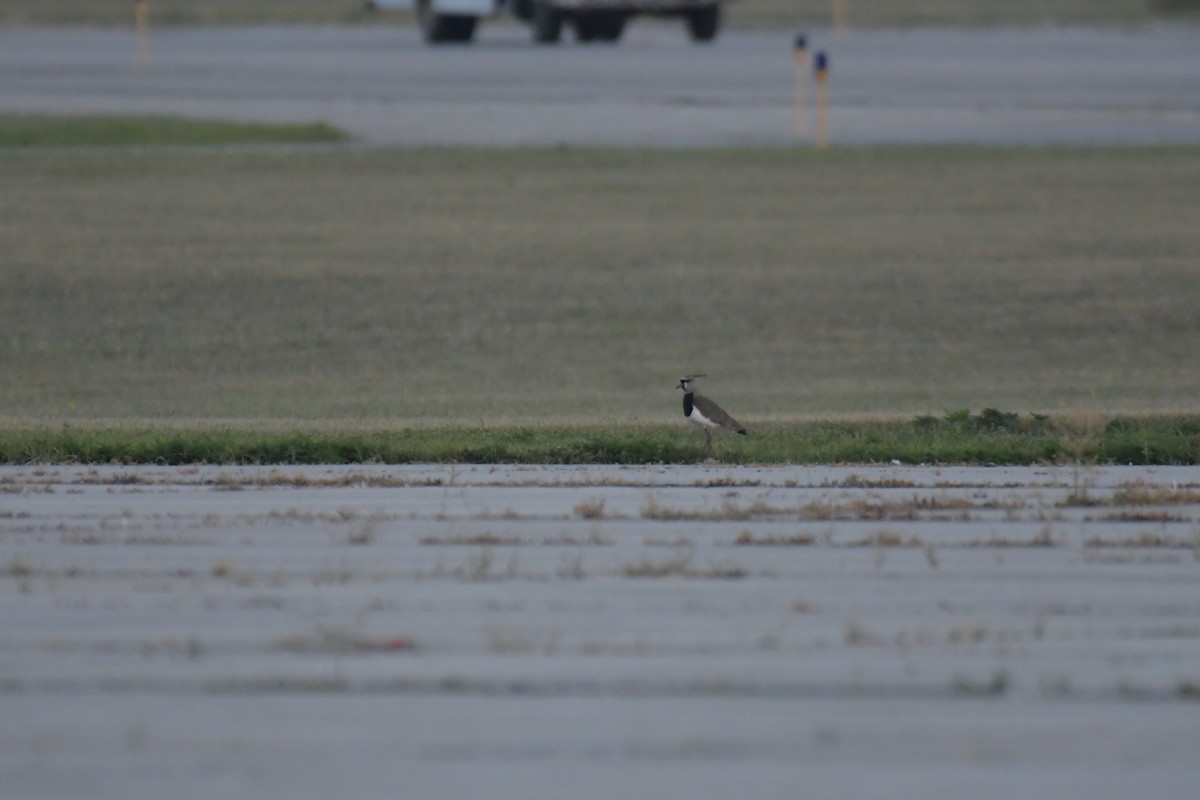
821,69
800,52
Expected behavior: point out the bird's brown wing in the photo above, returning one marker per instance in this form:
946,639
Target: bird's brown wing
717,414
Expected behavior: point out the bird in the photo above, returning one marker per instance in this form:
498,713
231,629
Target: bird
705,413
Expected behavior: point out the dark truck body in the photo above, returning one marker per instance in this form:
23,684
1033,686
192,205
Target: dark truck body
448,21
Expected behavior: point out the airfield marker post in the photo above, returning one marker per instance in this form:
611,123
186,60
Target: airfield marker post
800,53
142,15
821,68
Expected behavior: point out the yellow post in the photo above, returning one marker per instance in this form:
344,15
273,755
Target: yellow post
822,71
142,15
800,51
839,15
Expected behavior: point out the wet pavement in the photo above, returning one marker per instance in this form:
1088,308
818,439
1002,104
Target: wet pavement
654,88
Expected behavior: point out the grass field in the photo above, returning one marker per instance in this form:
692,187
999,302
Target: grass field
858,13
500,287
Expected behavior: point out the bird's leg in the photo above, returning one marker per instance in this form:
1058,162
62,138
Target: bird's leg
707,440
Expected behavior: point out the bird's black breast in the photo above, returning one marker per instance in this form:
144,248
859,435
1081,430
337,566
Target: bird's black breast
687,404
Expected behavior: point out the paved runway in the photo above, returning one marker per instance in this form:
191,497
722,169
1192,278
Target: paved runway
385,86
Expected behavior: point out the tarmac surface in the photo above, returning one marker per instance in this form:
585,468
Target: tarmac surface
599,632
383,85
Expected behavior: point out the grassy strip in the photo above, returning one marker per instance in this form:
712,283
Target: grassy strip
40,130
958,13
189,12
990,437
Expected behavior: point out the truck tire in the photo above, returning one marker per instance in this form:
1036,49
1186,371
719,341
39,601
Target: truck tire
444,28
523,10
547,22
610,26
703,23
599,26
585,27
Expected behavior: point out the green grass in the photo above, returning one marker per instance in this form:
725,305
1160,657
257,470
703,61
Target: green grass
513,287
39,130
781,13
958,438
187,12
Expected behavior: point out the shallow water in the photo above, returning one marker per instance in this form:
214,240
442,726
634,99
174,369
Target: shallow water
608,631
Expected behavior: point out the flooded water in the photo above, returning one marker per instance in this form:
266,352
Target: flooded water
675,632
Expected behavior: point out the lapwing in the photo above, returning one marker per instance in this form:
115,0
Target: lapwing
705,413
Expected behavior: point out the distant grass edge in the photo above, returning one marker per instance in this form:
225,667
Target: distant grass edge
958,437
104,130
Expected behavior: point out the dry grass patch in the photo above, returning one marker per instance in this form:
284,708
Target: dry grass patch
591,539
881,539
474,539
678,564
1132,493
895,510
226,483
590,509
365,535
508,514
18,567
1145,539
727,482
794,540
1079,430
303,481
993,685
1160,516
728,511
856,481
681,565
1043,538
290,515
1188,690
1141,493
330,640
680,541
1120,557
